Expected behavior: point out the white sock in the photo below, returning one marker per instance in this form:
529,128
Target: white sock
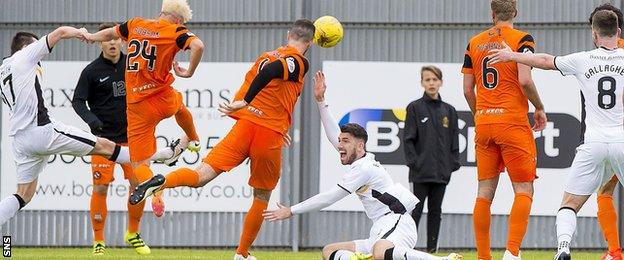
8,207
341,255
123,156
566,225
404,253
162,154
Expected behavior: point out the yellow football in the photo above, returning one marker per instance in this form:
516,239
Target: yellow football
328,31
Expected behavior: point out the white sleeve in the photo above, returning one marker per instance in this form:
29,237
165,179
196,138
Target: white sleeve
332,130
355,179
568,64
35,51
319,201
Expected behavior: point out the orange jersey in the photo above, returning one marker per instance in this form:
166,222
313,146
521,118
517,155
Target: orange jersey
274,105
620,43
500,98
152,46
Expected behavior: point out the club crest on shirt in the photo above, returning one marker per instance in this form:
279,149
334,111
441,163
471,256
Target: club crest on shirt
445,122
290,61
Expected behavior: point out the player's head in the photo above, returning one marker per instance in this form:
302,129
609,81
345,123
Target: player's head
302,31
176,11
21,40
610,7
112,48
605,25
431,79
351,143
503,10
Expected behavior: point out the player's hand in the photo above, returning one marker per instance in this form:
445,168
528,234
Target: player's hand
180,71
501,55
282,212
287,140
540,120
319,86
227,109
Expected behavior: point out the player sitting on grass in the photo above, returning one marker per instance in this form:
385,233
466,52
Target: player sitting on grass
388,205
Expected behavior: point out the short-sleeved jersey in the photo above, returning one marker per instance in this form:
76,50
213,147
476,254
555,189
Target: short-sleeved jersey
600,73
20,82
152,46
274,105
500,98
376,190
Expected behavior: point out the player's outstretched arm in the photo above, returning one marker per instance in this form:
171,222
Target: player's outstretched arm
102,36
273,70
332,130
469,92
537,60
196,47
64,32
317,202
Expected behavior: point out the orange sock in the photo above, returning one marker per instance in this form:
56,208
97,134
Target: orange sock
143,173
182,177
607,218
251,226
481,220
98,212
135,212
185,121
518,221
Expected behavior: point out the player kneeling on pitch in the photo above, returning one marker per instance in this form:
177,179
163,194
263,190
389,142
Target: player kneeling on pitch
388,205
602,149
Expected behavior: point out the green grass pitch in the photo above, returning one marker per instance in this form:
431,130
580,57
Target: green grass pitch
124,253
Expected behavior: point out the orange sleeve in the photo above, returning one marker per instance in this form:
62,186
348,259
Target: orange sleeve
295,68
526,44
467,67
184,37
123,30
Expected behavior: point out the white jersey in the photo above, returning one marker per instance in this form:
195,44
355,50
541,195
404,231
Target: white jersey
601,75
374,186
20,81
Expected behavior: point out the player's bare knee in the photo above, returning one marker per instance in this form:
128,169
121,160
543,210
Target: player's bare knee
100,189
523,187
206,174
103,147
574,202
262,194
380,247
608,188
328,250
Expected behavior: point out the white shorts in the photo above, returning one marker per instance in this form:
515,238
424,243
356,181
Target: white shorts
399,229
32,147
594,164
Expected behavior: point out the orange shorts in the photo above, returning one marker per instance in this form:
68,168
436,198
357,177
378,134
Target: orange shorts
500,146
144,116
262,145
104,170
